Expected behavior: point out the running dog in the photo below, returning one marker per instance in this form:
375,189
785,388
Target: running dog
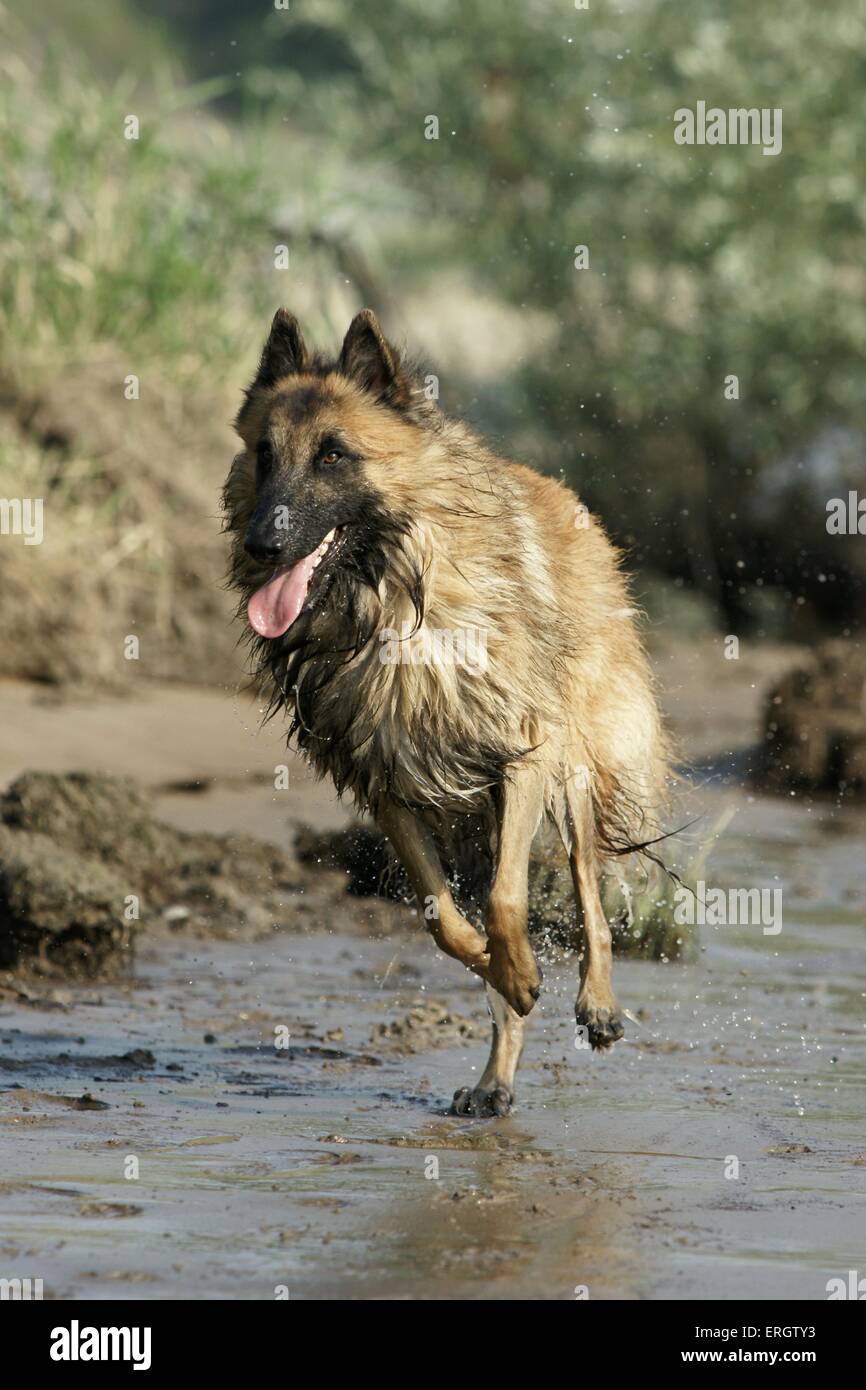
365,525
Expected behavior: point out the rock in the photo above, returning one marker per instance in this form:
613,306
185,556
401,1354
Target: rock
815,723
429,1023
360,853
84,865
66,908
108,818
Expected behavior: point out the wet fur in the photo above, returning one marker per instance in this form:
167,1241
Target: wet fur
449,535
457,538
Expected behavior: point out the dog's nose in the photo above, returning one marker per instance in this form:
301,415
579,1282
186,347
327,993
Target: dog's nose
265,552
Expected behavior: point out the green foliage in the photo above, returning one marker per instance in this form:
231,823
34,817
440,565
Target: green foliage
556,130
162,246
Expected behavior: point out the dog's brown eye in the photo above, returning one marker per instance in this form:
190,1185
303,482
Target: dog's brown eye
332,456
264,460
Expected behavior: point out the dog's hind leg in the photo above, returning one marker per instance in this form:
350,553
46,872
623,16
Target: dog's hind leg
596,1008
454,935
494,1094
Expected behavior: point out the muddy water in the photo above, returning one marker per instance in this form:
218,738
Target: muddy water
330,1168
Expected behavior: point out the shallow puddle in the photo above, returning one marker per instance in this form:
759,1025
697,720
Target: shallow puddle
718,1152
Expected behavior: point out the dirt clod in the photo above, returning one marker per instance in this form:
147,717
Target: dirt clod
85,866
815,723
429,1023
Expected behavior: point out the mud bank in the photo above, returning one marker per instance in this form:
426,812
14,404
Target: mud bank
815,724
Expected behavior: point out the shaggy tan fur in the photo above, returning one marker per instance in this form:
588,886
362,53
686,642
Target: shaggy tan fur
554,715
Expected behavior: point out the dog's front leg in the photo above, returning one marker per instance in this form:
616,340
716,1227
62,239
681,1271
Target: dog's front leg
506,922
494,1094
513,971
450,930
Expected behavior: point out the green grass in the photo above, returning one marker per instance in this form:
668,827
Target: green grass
161,246
139,243
108,32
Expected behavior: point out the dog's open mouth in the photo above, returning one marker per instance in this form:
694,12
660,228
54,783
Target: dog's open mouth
293,588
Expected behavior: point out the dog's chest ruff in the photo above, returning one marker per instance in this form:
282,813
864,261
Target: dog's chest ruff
404,720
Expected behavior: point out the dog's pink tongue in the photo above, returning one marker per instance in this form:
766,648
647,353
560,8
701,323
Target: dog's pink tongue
275,606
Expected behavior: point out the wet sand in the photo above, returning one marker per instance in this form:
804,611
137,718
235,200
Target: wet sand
312,1167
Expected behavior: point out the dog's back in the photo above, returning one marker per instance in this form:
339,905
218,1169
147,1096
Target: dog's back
580,610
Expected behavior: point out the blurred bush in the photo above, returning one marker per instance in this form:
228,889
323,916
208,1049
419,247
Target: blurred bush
556,130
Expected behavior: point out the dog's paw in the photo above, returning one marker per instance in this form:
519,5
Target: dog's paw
604,1025
514,973
481,1103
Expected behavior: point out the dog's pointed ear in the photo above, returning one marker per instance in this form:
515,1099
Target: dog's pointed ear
370,360
284,353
